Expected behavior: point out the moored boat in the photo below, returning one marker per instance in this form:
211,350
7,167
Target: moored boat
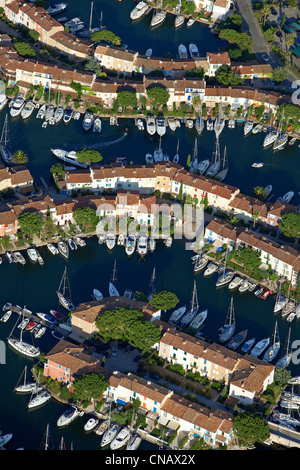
237,340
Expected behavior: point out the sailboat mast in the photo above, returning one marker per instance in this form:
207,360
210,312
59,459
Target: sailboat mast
91,16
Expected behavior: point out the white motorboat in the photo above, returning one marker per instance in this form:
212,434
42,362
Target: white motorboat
148,53
121,239
63,248
244,286
58,8
79,241
199,319
41,112
139,11
182,52
88,121
226,331
293,141
152,244
33,254
209,124
52,248
113,291
17,106
68,416
72,244
248,126
110,434
47,318
287,197
237,340
211,269
168,241
76,116
258,128
190,22
9,256
18,257
121,439
257,165
23,324
235,282
189,123
142,244
172,124
161,126
27,110
97,294
231,123
58,114
179,20
74,22
193,50
68,157
68,114
248,345
6,316
134,442
97,125
49,112
4,439
40,331
149,158
130,244
91,424
110,240
102,427
39,399
177,314
158,18
150,125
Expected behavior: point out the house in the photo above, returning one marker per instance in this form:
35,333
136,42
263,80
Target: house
221,9
216,60
8,222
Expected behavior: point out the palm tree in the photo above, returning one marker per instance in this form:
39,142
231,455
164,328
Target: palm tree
259,192
19,157
255,216
265,11
289,41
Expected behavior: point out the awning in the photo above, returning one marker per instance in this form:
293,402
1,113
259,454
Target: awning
296,26
296,52
121,402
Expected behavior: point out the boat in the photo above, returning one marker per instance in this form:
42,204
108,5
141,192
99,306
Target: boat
199,125
221,175
74,22
97,294
291,317
148,53
203,166
121,239
200,263
248,126
51,320
113,291
49,112
149,158
30,325
130,244
110,240
102,427
282,138
68,157
110,434
158,17
58,8
231,123
219,124
265,294
199,320
287,197
273,350
150,125
139,11
22,347
140,124
68,416
76,116
215,161
191,314
237,340
27,110
257,165
190,22
193,50
292,141
286,358
211,269
97,125
6,316
72,244
68,114
258,128
289,404
194,160
5,148
158,155
142,244
236,282
45,124
134,442
40,331
226,331
270,137
33,254
18,257
268,190
58,114
152,244
168,241
87,120
161,126
25,387
56,315
41,112
64,287
52,248
121,439
224,278
63,248
179,18
177,314
189,123
4,439
209,124
248,345
39,398
17,106
182,52
23,324
91,424
80,241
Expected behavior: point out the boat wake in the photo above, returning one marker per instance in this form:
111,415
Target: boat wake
107,144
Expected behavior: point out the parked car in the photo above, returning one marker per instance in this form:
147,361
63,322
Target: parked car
273,11
279,34
265,57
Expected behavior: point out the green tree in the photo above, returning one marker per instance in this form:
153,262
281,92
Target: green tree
279,74
24,49
19,157
290,224
249,258
282,376
106,36
159,96
259,192
242,40
58,169
164,300
89,386
127,99
250,429
34,34
85,216
226,76
88,156
30,223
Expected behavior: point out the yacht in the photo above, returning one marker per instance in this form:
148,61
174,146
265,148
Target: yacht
68,114
110,240
24,348
134,442
121,439
6,316
52,248
248,126
190,22
211,269
226,331
237,340
91,424
63,248
97,125
139,11
151,126
270,137
142,245
27,110
177,314
258,128
179,20
158,18
68,416
257,165
273,350
224,278
281,141
193,50
68,157
110,434
244,286
199,320
48,318
191,314
74,22
58,8
235,282
219,125
41,112
65,302
200,263
287,197
161,126
72,244
231,123
39,399
172,124
87,121
209,124
19,258
33,254
49,112
199,125
152,244
182,52
248,345
58,115
215,163
17,106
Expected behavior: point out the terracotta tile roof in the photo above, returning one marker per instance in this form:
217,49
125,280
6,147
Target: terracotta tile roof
250,375
71,42
20,175
219,58
7,216
74,357
40,204
144,388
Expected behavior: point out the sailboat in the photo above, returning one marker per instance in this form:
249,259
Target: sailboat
194,162
282,138
158,153
280,301
190,315
226,331
270,137
112,289
224,276
111,431
219,123
287,356
86,33
152,286
215,161
199,125
273,350
159,16
64,286
21,346
25,387
176,156
179,19
38,398
223,173
5,143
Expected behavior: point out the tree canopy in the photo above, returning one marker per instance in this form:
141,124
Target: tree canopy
279,74
164,300
85,216
290,224
88,156
127,99
247,257
106,36
250,428
158,96
24,49
242,40
30,223
128,325
226,76
89,386
19,157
